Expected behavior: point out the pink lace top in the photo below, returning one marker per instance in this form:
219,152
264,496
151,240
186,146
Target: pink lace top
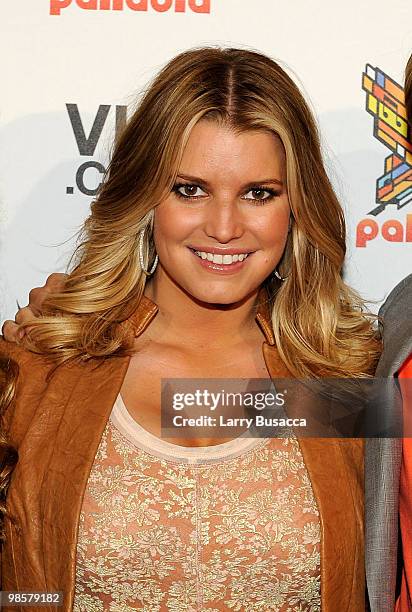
228,527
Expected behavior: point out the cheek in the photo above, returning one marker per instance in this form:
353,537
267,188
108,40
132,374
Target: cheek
171,224
273,228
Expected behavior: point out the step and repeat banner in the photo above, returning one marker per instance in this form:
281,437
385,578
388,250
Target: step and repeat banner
71,70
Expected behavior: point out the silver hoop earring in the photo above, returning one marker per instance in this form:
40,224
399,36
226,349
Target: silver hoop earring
141,259
281,278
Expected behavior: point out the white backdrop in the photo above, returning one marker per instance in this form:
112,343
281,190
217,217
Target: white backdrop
91,56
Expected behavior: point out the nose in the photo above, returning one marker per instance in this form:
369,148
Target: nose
223,221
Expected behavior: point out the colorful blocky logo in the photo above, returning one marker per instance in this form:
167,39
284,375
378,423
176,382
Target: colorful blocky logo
386,103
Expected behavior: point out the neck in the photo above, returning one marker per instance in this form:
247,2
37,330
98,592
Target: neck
201,324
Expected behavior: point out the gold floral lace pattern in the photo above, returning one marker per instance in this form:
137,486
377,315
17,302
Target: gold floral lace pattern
240,534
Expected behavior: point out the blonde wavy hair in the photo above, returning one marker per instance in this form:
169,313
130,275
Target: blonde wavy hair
320,324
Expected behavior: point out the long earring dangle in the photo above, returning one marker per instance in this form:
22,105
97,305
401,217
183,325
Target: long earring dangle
275,271
281,278
141,258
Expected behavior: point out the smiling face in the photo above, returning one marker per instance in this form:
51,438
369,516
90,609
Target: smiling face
223,228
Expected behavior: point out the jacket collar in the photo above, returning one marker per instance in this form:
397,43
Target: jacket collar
147,310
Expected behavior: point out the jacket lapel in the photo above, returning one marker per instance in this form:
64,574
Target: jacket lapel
82,420
335,468
75,444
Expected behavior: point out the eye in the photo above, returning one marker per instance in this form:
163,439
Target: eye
259,194
186,191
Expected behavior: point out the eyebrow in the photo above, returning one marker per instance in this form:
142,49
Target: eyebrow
196,179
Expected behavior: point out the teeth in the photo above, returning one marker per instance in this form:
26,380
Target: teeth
221,259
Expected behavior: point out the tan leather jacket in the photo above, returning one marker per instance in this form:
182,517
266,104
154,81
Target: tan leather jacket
57,424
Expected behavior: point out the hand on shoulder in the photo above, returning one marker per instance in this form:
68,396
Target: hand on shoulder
12,330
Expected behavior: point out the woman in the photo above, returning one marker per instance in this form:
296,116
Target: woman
214,250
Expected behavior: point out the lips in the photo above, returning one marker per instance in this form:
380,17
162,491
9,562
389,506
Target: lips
221,259
221,262
219,251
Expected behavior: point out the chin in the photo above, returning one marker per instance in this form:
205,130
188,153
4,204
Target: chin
221,296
